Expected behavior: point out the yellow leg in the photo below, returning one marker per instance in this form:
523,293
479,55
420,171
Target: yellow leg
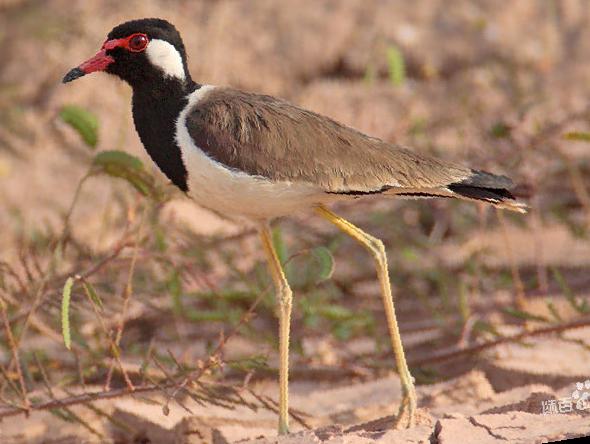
407,408
284,296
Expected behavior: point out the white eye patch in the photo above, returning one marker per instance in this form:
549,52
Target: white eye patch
165,56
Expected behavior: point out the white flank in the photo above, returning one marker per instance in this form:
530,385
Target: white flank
165,56
235,193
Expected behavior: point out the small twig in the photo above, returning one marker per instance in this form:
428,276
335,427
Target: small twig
7,268
213,357
466,331
272,405
105,260
144,368
9,382
165,407
114,347
15,359
520,298
116,422
69,411
83,399
455,352
25,265
80,370
38,300
577,181
9,402
538,246
66,228
127,292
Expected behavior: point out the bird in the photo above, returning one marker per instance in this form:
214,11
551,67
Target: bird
257,157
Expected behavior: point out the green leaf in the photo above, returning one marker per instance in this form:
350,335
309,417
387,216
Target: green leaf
523,314
500,130
65,312
256,362
62,414
486,327
335,312
410,254
553,310
464,308
418,127
396,65
174,285
92,295
125,166
342,331
580,136
308,268
83,121
325,263
119,159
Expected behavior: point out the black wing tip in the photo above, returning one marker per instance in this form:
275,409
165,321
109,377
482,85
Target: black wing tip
481,193
498,197
481,185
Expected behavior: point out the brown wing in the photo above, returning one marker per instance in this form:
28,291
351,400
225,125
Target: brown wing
264,136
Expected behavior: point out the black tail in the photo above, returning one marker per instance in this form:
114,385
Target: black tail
488,187
483,193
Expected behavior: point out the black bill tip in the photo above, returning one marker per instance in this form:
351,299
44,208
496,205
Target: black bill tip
73,75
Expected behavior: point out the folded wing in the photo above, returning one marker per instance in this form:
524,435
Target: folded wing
264,136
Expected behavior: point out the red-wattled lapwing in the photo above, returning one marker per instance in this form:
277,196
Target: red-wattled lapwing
259,157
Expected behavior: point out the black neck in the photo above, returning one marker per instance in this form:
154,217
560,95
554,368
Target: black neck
156,106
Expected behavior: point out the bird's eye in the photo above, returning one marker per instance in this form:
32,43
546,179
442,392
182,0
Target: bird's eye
138,42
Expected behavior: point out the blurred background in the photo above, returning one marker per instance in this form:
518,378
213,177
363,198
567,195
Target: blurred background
161,288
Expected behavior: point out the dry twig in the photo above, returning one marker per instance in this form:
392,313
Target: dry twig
455,352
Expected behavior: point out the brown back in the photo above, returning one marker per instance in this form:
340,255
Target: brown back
264,136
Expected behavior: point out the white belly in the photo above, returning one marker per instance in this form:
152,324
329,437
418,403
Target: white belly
249,197
235,193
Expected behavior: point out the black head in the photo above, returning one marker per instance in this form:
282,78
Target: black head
139,51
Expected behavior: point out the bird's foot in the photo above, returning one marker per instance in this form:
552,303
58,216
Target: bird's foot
406,416
283,426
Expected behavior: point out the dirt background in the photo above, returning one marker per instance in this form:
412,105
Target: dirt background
493,310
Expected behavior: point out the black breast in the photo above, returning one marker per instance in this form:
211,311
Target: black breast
155,112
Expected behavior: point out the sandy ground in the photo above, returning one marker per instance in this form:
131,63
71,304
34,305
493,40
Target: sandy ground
517,395
469,66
